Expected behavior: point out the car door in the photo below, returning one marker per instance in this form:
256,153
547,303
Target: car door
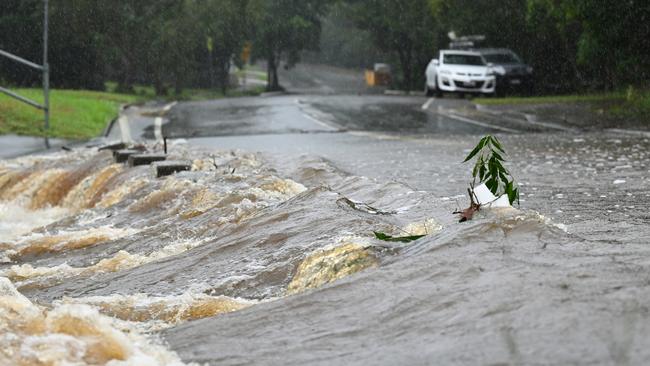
431,73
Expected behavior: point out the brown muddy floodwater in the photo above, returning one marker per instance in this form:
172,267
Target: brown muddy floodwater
244,260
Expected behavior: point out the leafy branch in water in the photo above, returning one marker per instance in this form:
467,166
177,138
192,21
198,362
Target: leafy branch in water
489,169
402,239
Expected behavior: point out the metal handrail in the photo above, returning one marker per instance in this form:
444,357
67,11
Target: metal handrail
46,76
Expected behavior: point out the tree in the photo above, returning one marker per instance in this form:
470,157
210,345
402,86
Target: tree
21,31
613,45
284,28
404,28
224,29
344,44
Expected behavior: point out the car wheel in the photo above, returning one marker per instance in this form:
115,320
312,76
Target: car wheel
427,91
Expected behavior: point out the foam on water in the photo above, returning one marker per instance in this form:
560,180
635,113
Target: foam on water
159,312
91,188
42,243
70,334
16,220
121,192
27,275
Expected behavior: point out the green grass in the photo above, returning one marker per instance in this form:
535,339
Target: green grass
631,104
553,99
74,114
254,72
79,114
636,105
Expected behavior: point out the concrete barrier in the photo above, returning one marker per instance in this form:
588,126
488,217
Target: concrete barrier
122,156
113,147
166,168
145,159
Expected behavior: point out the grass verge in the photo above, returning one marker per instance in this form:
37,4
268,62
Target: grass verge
554,99
632,104
81,114
75,114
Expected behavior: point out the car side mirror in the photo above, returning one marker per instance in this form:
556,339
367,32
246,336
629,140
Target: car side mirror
490,65
436,62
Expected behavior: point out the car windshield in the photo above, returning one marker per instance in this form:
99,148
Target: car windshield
462,59
502,58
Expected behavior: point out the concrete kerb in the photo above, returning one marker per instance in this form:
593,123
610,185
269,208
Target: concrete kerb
274,94
111,124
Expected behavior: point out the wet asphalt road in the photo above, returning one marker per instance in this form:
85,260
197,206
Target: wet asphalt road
309,114
322,99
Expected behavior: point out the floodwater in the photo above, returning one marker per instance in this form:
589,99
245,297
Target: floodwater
255,259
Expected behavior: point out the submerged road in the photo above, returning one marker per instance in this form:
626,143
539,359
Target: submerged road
569,287
519,305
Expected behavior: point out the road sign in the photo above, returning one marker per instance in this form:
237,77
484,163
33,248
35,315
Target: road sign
246,52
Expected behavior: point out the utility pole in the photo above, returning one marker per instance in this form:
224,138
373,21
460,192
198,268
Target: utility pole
46,74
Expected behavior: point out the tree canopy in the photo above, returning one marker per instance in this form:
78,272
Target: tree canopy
173,44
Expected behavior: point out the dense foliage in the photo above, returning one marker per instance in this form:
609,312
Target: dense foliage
572,44
164,43
174,44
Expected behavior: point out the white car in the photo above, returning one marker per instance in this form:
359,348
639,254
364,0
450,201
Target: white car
460,72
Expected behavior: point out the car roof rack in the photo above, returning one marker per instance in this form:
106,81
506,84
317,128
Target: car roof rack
464,42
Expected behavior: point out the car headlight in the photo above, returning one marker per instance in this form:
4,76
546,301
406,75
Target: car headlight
529,69
500,70
445,72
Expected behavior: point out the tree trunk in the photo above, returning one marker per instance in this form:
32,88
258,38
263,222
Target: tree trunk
159,87
224,75
273,84
407,68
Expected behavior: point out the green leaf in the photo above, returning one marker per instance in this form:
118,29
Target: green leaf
477,149
504,178
476,168
497,156
494,169
482,172
403,239
493,186
497,144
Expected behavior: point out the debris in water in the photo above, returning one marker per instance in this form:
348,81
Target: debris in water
362,207
401,239
468,213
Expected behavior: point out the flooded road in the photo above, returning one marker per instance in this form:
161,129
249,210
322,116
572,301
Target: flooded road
264,252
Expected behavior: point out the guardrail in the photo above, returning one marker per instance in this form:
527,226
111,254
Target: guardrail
45,69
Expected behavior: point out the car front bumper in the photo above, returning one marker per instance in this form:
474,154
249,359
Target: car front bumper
451,83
